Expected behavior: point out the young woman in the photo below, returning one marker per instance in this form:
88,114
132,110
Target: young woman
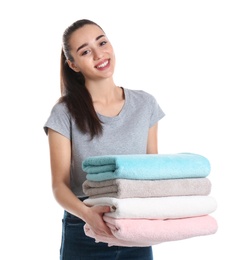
94,117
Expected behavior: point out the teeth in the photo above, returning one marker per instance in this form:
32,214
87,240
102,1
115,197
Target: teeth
103,65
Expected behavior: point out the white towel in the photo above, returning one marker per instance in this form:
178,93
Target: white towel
157,208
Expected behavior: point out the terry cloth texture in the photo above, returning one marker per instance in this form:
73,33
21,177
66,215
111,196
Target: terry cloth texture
146,166
152,198
157,208
125,188
146,232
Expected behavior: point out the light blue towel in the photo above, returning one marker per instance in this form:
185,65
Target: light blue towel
146,166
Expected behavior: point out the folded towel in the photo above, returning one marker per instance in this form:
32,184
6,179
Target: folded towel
145,232
146,166
157,208
125,188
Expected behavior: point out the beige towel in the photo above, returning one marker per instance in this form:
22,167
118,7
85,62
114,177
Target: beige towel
127,188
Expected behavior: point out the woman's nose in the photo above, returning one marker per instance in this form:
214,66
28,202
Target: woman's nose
97,54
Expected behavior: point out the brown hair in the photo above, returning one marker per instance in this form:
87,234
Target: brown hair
73,89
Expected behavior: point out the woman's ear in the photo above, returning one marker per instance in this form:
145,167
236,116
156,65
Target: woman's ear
73,66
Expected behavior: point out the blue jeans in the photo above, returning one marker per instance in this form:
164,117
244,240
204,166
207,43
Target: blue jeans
76,245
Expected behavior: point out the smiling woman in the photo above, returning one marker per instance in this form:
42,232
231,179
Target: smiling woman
94,117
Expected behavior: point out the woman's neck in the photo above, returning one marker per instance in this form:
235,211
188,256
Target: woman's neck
108,99
104,91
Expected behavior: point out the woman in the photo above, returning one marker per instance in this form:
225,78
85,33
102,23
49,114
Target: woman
94,117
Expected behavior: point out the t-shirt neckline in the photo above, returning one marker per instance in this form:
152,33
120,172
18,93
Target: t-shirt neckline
117,117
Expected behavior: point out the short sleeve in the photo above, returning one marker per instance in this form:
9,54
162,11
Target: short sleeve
156,112
59,120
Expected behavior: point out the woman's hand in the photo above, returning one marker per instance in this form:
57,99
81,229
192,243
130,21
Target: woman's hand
94,218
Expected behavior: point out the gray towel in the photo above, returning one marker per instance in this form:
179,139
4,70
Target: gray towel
126,188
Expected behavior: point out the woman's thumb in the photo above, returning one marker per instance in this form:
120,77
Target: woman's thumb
106,209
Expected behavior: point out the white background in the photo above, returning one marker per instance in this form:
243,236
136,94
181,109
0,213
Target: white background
193,56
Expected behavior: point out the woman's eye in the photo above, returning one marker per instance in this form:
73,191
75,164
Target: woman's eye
103,43
85,53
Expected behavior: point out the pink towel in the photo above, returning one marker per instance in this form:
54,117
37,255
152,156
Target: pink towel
146,232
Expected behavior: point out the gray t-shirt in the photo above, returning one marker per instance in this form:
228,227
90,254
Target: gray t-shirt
125,133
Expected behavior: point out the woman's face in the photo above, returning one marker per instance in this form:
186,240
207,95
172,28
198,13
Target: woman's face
92,52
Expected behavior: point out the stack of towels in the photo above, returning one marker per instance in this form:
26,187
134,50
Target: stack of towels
153,198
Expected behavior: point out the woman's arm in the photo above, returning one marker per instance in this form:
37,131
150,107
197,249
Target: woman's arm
60,160
152,145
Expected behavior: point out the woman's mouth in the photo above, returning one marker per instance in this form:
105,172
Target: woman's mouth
102,65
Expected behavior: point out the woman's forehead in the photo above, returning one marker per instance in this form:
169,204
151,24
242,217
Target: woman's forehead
87,33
